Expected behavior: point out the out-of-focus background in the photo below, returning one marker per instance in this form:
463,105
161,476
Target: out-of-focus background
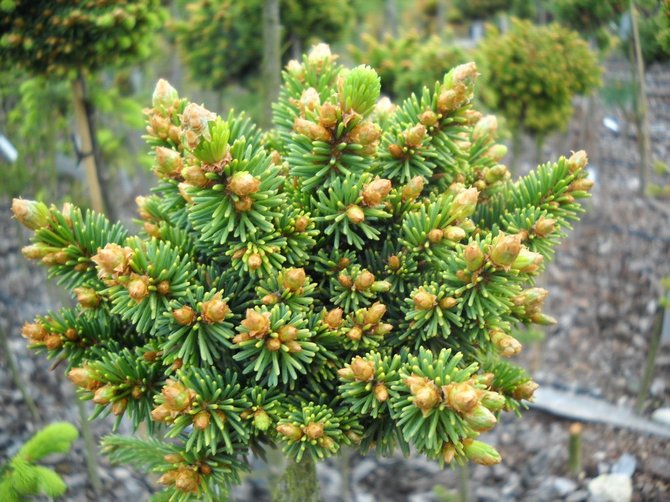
604,368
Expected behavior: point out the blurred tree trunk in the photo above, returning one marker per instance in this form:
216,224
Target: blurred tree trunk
175,60
86,146
441,21
296,47
390,18
271,70
641,104
298,482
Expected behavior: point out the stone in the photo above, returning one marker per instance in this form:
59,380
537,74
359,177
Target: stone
330,480
362,470
487,494
364,497
563,486
512,487
578,496
659,466
611,488
626,464
422,497
661,415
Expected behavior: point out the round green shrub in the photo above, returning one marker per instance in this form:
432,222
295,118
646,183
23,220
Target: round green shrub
533,72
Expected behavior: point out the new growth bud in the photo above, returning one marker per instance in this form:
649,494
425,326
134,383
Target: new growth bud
474,257
364,280
138,287
215,310
413,188
461,397
481,453
290,431
333,318
355,214
506,345
464,204
87,297
164,95
257,324
294,279
362,370
31,214
577,161
423,300
243,183
505,250
376,191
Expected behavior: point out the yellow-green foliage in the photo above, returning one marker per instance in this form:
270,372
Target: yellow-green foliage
56,37
408,62
221,40
533,72
21,478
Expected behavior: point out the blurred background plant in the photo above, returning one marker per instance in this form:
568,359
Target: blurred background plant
533,74
21,478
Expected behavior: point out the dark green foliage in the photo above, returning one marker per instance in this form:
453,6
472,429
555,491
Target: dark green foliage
588,16
236,28
37,35
483,9
352,277
407,63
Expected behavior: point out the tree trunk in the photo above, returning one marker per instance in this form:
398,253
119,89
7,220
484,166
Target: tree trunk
517,142
296,47
441,21
271,70
88,146
391,18
298,482
641,105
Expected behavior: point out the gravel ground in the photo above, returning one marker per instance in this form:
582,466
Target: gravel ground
604,284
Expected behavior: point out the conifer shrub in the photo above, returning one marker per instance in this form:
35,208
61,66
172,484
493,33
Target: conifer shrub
21,478
349,278
533,72
57,37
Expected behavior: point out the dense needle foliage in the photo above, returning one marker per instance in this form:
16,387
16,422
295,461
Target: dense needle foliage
350,277
56,37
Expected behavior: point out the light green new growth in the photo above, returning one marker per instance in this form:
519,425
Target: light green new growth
20,478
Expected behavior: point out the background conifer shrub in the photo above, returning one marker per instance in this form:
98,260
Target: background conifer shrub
58,37
533,72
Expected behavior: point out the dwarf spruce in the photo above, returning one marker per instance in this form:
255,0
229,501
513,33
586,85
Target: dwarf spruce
351,277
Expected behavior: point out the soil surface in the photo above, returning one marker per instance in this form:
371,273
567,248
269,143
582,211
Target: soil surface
605,289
